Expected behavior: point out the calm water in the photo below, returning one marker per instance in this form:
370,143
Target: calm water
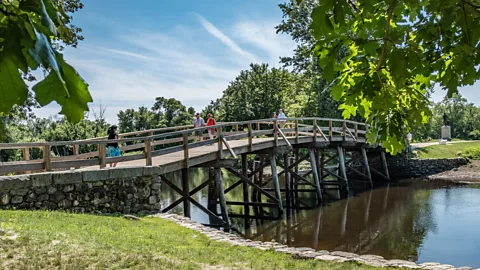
416,221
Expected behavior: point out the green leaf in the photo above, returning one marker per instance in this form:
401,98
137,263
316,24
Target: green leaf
44,54
13,89
398,64
38,7
371,48
338,15
329,72
348,110
52,89
47,21
321,23
337,91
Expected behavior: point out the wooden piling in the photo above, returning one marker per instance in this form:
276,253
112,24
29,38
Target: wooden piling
385,164
273,164
186,191
343,169
313,164
245,185
212,194
366,166
260,178
222,199
286,162
295,178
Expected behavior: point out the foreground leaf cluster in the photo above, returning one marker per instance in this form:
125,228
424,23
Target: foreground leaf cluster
396,51
27,30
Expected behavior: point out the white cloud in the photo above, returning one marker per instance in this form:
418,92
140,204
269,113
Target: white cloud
186,63
225,39
263,36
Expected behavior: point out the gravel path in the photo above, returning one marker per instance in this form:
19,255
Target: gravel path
469,174
425,144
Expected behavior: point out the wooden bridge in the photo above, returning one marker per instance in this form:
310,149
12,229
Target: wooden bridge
336,151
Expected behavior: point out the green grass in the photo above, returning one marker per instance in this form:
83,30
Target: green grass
446,151
57,240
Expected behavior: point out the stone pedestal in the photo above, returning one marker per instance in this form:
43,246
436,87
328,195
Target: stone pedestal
446,133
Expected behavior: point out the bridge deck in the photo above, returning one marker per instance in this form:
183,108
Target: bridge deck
175,161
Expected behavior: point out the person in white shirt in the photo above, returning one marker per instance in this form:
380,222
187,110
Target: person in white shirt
281,118
197,123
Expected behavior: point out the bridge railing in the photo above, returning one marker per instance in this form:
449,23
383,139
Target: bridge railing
148,144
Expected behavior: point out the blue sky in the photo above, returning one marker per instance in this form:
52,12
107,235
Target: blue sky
190,50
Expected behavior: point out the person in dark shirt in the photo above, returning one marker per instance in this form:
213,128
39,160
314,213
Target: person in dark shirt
113,149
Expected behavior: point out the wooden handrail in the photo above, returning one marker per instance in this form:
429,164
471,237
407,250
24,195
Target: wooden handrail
182,135
157,136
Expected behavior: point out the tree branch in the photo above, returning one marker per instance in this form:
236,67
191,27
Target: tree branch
471,4
354,6
475,7
466,23
385,37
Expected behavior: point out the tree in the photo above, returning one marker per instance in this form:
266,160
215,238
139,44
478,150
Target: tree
296,23
396,50
173,111
254,94
126,120
29,29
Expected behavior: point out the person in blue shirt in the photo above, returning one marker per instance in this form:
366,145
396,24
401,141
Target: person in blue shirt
113,149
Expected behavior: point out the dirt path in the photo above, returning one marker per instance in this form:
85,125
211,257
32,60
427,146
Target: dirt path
425,144
469,174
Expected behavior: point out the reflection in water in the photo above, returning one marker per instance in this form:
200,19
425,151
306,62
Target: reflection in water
415,221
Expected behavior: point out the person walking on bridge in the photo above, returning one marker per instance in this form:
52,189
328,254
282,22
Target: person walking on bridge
281,118
198,122
113,149
211,122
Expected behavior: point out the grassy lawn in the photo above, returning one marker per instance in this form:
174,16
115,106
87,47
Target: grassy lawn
57,240
446,151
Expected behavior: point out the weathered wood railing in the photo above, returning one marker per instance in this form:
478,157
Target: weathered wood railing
181,139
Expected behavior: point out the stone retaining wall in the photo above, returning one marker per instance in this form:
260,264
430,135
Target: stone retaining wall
121,190
303,253
401,167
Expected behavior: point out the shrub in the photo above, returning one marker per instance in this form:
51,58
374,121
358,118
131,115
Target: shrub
472,153
474,135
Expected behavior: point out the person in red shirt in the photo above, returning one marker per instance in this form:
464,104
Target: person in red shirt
211,122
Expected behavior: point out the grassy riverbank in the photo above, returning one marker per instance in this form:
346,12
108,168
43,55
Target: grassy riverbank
55,240
449,150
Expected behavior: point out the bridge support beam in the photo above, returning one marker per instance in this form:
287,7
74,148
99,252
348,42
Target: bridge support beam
186,191
276,183
358,168
288,181
383,164
316,179
221,193
246,207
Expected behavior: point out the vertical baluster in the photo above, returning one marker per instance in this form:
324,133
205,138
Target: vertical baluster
250,137
185,149
220,143
102,156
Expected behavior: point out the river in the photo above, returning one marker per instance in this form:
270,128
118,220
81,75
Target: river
410,220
